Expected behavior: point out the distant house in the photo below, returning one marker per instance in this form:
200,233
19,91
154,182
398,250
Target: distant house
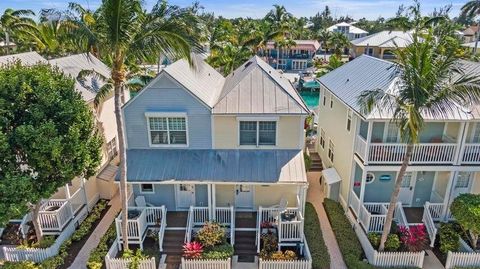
352,32
470,33
381,44
297,57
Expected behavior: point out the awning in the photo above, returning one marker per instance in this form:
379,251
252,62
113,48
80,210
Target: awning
331,176
209,165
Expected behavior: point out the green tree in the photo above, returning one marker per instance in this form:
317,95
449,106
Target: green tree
429,82
339,42
466,210
16,21
47,137
229,58
124,32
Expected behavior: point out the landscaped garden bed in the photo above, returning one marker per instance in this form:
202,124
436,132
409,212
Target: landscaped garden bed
314,237
61,253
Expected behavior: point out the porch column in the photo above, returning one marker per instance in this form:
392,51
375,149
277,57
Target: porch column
67,192
362,190
214,201
210,208
85,193
448,194
303,199
369,139
461,139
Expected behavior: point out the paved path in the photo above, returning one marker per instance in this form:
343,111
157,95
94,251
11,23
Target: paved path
315,196
431,261
80,261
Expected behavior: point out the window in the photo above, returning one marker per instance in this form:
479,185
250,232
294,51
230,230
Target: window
168,130
392,133
368,51
407,178
258,133
322,138
349,120
324,98
476,133
331,101
112,151
331,149
463,180
146,188
369,178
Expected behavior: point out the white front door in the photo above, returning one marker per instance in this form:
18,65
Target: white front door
407,188
185,196
463,182
244,197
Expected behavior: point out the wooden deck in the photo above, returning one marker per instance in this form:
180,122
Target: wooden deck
177,219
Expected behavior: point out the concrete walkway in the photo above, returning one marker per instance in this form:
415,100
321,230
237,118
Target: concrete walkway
80,261
315,196
431,261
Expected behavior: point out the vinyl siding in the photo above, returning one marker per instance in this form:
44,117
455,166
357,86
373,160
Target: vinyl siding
271,195
334,123
167,96
289,132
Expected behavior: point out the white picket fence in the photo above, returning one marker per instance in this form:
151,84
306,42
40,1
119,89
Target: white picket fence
14,254
388,259
119,263
205,264
462,259
305,263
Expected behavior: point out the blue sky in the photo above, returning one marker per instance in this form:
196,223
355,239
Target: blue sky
370,9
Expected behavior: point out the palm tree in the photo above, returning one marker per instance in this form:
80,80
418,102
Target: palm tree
472,9
278,16
16,21
123,32
430,81
229,57
325,38
286,44
339,42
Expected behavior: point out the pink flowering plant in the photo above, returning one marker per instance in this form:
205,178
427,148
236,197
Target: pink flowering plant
193,250
415,238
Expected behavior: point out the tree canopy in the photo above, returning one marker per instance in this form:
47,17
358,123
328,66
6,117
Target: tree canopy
466,210
47,136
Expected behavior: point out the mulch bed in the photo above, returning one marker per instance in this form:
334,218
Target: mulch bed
76,246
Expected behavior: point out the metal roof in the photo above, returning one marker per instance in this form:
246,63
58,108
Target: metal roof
256,88
299,43
368,73
73,64
353,29
26,58
385,39
208,165
201,79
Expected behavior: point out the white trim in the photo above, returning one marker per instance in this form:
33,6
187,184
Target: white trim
262,118
146,192
348,127
177,190
167,116
373,177
153,114
212,126
257,146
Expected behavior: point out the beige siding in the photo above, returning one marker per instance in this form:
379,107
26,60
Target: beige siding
334,123
441,184
272,194
452,129
289,132
476,183
225,195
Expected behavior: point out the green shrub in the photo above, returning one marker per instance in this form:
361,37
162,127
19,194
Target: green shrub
308,161
220,252
374,239
449,238
392,243
347,239
314,237
86,225
98,254
211,234
19,265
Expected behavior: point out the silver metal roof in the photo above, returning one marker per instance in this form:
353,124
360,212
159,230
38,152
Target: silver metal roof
256,88
385,39
26,58
353,29
73,64
248,166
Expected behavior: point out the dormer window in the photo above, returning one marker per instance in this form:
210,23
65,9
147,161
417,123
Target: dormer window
167,130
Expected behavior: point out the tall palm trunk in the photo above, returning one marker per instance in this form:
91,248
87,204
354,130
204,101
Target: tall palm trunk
118,75
394,198
35,222
278,56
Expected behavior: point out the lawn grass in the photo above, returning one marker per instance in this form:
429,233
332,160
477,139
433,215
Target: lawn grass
316,244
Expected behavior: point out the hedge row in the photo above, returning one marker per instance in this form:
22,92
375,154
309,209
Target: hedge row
313,234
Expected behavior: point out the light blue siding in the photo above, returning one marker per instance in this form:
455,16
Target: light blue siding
167,96
380,191
423,188
201,195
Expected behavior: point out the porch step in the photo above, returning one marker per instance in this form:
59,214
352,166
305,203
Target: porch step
317,165
245,243
173,243
245,220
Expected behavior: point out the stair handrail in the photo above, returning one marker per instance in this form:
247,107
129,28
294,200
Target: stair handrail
189,225
232,226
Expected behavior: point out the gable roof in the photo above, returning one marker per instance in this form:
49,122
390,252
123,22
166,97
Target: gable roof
299,44
353,29
202,80
385,39
369,73
256,88
73,64
26,58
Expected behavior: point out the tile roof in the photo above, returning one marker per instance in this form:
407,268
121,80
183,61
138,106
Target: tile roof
368,73
385,39
208,165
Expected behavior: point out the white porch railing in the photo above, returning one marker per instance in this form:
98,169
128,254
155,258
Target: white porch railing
206,264
111,262
149,217
361,146
354,202
38,255
372,216
77,200
305,263
54,220
197,216
393,153
471,153
399,216
429,223
388,259
435,210
24,226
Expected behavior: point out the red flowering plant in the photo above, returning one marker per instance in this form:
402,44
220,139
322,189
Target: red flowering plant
266,224
414,238
193,250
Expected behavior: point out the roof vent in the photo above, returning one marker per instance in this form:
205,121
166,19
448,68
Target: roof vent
348,79
247,64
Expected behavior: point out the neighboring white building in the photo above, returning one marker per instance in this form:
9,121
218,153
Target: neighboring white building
366,152
381,44
348,29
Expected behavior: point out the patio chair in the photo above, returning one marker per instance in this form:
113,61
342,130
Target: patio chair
140,202
282,207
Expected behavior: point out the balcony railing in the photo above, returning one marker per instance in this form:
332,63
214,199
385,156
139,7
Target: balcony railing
393,153
471,153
